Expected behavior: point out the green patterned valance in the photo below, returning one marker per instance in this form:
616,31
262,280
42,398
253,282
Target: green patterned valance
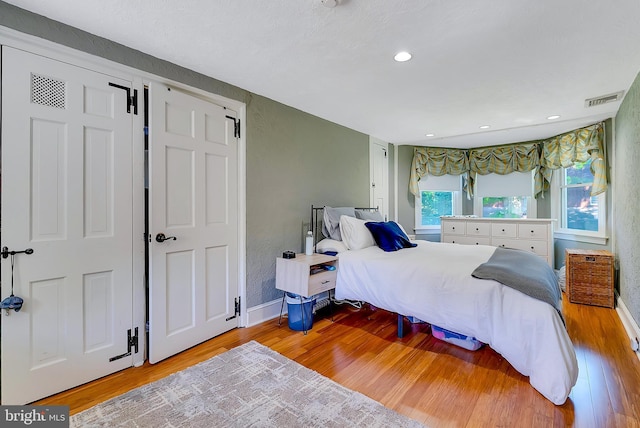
436,161
575,146
544,156
503,159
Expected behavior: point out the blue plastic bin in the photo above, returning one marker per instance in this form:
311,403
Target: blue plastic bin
458,339
296,307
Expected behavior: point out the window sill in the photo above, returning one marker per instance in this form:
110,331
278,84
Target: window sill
568,235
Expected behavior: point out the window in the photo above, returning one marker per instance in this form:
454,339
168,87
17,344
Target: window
505,196
505,207
580,215
438,196
435,204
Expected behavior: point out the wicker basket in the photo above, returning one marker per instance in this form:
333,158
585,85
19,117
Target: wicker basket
589,275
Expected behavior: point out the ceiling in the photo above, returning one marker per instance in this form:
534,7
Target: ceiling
508,64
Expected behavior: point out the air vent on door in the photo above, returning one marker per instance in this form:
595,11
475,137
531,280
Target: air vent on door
48,92
592,102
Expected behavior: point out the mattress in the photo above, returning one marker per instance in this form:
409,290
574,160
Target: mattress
433,282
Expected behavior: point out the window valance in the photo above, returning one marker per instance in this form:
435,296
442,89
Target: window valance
543,156
564,150
437,161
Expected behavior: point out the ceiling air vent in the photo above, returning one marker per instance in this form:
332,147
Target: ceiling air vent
592,102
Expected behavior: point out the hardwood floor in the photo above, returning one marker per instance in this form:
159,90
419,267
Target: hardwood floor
433,382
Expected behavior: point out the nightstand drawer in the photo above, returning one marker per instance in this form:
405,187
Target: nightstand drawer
322,281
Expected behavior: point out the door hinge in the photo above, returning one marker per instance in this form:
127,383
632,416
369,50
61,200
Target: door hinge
237,309
132,101
236,126
132,342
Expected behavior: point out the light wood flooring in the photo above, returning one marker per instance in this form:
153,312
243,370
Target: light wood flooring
433,382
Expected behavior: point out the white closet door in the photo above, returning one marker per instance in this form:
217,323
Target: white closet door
194,204
67,194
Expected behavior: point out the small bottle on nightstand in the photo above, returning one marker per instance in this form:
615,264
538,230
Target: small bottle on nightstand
308,250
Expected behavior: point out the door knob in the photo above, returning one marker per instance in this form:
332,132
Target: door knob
161,238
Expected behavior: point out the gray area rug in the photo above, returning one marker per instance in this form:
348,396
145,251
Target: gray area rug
248,386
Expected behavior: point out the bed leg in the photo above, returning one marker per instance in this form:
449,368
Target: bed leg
400,326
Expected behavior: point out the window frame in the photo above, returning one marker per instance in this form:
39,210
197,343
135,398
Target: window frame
434,229
532,205
558,212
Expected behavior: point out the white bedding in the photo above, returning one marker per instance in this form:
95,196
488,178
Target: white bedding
433,282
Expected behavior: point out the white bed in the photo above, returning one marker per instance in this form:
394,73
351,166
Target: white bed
433,282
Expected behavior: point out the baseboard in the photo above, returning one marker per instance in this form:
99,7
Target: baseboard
628,322
270,310
265,312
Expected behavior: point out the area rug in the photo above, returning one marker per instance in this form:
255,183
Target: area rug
248,386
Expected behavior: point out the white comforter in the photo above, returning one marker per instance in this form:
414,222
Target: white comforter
433,282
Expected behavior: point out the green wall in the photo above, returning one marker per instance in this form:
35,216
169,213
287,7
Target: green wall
626,216
293,158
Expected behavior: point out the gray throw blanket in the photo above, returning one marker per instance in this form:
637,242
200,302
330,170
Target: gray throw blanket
525,272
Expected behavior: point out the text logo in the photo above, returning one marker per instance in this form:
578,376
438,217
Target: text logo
34,416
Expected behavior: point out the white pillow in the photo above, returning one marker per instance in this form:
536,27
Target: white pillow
329,244
355,234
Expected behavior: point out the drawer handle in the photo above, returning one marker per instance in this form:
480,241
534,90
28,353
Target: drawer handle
453,228
532,231
532,248
590,259
324,282
503,230
477,229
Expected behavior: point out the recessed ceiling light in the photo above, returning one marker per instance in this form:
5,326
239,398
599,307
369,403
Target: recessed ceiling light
555,116
485,127
402,56
431,135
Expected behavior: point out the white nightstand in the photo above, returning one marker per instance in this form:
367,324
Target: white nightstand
306,275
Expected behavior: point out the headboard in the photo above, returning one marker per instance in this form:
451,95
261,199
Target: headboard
317,215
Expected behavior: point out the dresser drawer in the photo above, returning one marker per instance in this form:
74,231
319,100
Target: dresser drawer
504,230
453,227
539,248
532,231
470,240
478,229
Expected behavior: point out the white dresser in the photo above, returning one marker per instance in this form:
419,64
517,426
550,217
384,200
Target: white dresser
535,235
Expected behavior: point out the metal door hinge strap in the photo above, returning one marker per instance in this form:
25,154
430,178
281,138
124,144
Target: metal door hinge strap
131,100
237,309
132,342
236,126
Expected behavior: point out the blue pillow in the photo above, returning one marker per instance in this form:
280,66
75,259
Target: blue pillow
388,235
